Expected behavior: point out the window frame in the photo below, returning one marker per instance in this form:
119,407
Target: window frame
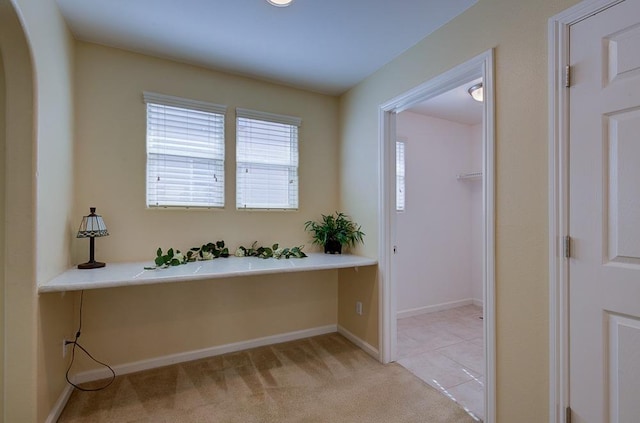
402,144
292,166
218,149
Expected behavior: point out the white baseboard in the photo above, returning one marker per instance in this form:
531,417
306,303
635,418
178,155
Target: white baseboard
56,411
153,363
433,308
365,346
167,360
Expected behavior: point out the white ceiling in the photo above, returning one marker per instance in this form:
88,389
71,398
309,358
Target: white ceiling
321,45
455,105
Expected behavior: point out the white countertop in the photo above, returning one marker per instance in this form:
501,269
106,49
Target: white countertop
131,274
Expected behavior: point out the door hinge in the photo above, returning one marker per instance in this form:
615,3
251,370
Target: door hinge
567,76
567,415
566,246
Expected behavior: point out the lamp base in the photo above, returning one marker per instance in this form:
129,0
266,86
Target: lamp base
91,265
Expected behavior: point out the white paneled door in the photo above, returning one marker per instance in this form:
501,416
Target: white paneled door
604,216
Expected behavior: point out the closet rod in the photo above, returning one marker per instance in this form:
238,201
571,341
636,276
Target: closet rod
472,175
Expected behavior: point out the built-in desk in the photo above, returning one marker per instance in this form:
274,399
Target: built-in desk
132,274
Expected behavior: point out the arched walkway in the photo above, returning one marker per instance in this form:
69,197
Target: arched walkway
18,307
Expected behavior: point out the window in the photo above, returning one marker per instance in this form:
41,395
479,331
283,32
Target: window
400,169
185,152
266,160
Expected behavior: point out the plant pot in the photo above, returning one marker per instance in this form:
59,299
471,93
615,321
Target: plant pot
332,247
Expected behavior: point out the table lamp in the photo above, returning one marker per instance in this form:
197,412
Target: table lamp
92,226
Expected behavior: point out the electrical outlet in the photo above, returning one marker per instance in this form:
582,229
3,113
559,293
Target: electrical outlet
65,344
359,308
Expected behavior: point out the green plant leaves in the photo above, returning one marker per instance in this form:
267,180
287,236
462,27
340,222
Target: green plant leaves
338,228
218,249
209,251
172,258
270,252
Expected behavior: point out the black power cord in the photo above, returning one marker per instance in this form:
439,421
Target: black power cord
75,344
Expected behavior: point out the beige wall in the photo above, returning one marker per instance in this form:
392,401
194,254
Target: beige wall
128,324
2,205
518,31
111,155
359,286
52,47
39,211
124,325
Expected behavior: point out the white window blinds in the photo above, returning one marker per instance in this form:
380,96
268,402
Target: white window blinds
266,160
185,152
400,170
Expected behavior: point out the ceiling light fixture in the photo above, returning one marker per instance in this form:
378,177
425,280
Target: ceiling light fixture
477,92
280,3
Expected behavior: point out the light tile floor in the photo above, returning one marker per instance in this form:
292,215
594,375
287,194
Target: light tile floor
445,349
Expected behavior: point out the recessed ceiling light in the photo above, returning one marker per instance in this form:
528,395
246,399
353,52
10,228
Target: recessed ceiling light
280,3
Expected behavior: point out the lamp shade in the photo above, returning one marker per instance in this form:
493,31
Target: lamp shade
92,226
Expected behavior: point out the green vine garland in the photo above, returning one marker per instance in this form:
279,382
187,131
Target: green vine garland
266,252
215,250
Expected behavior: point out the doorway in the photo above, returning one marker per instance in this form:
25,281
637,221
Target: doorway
480,67
439,225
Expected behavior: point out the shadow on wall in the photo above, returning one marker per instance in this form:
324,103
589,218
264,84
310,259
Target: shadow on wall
359,285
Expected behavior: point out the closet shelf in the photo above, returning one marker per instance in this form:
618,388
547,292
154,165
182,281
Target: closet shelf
471,175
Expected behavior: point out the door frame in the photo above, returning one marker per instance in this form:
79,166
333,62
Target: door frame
558,50
479,66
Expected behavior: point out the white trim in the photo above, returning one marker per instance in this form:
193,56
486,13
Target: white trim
167,360
268,117
365,346
387,331
489,259
438,85
58,407
401,144
479,66
169,100
558,48
434,308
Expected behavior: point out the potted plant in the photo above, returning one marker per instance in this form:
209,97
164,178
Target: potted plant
334,231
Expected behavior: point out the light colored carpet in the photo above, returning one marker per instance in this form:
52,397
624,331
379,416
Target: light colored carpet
324,379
